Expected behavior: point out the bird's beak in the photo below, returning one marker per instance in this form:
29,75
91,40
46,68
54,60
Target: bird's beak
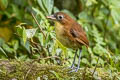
52,17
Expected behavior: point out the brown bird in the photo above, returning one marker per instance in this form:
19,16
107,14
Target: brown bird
69,33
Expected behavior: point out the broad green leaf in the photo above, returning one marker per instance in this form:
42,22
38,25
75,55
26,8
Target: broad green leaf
1,41
85,61
30,32
48,5
22,57
62,47
40,2
7,48
24,35
84,17
19,31
25,45
97,36
114,3
17,12
55,9
116,15
39,13
1,49
90,2
15,44
3,4
41,39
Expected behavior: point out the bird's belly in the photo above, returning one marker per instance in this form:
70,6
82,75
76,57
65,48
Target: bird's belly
66,41
60,35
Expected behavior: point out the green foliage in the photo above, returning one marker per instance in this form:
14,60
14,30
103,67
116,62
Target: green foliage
99,18
46,5
4,4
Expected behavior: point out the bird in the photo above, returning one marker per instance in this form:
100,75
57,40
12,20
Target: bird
70,34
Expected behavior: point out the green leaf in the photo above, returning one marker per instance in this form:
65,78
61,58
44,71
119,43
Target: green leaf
39,13
19,29
3,4
91,2
46,5
41,39
97,36
17,12
23,57
26,45
40,2
49,5
24,35
61,46
3,52
30,32
55,9
85,61
15,44
7,48
1,41
56,74
116,15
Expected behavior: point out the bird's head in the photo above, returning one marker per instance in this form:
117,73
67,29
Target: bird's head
61,18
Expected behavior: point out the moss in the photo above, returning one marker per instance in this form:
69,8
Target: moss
33,70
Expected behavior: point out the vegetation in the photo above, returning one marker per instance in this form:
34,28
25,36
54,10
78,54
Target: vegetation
31,70
26,34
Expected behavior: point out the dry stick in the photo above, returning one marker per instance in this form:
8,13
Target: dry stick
38,45
84,73
114,78
95,67
38,24
49,57
28,71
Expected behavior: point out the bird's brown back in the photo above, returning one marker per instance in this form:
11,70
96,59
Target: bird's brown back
76,34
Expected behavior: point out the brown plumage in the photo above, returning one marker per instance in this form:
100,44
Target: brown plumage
68,31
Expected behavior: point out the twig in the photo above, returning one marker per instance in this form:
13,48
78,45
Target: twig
50,57
114,78
95,67
84,73
28,71
38,24
34,43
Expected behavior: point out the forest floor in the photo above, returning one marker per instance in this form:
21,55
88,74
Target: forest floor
32,70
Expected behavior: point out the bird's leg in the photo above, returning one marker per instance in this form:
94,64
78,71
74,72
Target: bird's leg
72,66
78,66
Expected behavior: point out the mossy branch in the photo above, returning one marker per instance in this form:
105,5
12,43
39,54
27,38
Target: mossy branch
19,70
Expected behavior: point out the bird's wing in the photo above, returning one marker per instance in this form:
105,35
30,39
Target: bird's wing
78,33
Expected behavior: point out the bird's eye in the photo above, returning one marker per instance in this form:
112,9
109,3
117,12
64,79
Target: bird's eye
60,17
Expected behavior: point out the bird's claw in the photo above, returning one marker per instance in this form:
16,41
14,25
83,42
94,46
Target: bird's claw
74,70
72,67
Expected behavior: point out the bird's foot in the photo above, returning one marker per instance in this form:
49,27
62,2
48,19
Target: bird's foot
77,69
72,67
74,70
